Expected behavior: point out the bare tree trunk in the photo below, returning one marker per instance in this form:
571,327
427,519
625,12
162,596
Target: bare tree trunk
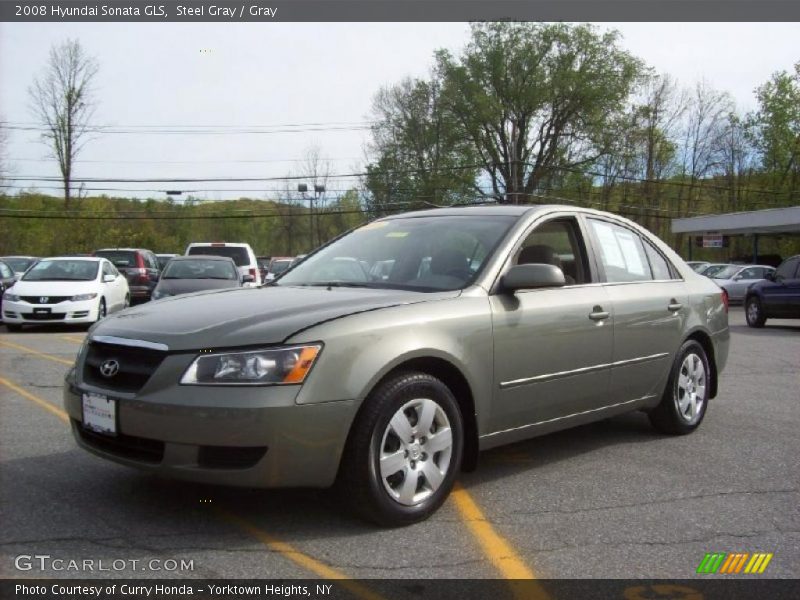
61,98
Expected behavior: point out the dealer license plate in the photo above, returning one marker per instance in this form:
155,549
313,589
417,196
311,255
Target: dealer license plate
100,413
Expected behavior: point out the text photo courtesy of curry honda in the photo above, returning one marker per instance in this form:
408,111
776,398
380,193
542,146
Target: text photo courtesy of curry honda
419,301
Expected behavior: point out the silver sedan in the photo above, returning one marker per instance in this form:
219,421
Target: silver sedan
735,279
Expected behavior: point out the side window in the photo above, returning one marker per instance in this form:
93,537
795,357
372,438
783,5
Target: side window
558,243
5,271
621,253
752,273
107,269
788,268
658,263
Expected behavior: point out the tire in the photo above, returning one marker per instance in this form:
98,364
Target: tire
13,327
397,404
685,401
101,310
754,312
127,302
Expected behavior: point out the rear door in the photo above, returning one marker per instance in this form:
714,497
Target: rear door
649,301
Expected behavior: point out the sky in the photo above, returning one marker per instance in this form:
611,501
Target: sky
275,80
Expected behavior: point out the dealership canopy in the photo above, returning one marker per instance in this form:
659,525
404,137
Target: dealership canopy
771,221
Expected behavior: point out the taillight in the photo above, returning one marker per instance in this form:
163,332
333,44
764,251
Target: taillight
253,274
725,299
141,271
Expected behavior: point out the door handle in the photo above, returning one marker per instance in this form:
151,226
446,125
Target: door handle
674,305
598,314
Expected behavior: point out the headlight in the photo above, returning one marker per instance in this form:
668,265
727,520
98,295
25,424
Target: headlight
255,367
11,297
81,297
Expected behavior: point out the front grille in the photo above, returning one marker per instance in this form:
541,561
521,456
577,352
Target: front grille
124,446
230,457
136,365
44,316
47,299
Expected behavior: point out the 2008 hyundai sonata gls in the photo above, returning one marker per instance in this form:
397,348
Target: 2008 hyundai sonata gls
387,359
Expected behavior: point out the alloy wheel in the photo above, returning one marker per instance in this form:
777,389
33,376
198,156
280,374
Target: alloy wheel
415,451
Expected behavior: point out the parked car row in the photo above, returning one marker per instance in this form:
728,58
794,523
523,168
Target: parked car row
83,289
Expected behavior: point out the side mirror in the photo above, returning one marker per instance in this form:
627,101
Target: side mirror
532,276
737,278
248,278
109,278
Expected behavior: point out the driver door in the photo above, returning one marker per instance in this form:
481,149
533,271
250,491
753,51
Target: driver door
553,346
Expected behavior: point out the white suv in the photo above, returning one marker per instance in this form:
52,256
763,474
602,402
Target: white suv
242,255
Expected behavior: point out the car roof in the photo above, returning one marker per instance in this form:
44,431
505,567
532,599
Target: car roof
125,249
238,244
203,257
18,256
66,257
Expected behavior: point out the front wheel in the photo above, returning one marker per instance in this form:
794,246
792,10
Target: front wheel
754,312
404,451
685,399
101,310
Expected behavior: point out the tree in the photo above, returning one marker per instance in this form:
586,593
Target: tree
61,98
419,156
535,99
776,129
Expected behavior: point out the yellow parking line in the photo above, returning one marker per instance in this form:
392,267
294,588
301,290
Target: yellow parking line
74,340
37,353
298,557
496,548
35,399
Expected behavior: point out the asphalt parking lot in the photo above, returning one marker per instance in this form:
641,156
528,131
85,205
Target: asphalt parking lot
608,500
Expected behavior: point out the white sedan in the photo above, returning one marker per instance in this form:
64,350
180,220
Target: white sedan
65,290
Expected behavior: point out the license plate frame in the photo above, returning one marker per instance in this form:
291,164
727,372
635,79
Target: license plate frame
99,413
42,311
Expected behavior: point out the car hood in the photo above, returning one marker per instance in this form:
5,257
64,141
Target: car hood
173,287
248,316
54,288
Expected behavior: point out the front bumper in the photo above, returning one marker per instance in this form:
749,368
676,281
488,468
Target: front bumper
240,436
63,312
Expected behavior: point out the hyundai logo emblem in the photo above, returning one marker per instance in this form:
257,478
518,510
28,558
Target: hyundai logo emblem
43,300
109,368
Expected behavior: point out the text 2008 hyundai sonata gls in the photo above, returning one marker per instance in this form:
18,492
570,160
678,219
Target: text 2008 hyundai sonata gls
386,360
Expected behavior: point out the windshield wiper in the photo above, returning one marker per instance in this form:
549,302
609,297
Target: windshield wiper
332,284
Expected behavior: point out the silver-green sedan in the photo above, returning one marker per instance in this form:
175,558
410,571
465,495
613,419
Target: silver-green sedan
386,360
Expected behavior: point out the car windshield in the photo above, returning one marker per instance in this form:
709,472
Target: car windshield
279,266
713,270
415,253
237,253
162,261
62,270
725,272
19,264
122,259
200,269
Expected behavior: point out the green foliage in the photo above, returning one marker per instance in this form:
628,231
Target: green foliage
163,225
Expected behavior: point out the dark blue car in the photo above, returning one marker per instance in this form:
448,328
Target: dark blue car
777,297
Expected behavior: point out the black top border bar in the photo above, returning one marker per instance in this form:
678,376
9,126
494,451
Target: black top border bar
228,11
